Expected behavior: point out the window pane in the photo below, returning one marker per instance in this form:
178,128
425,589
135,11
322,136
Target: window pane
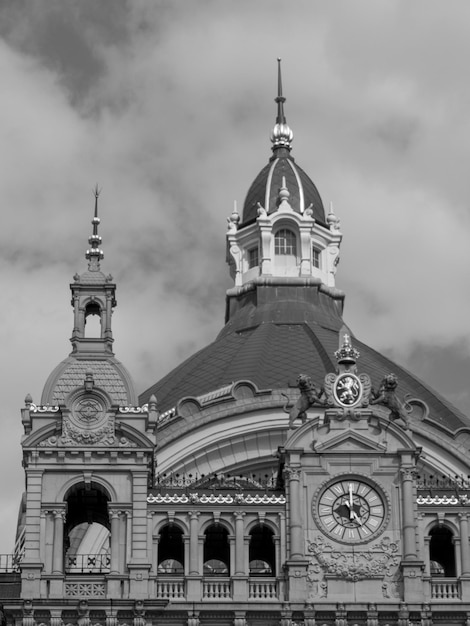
315,257
285,242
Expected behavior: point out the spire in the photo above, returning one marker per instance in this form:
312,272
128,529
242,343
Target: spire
281,135
95,254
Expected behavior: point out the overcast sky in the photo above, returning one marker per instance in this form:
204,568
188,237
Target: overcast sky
168,107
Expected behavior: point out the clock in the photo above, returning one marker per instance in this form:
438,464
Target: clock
351,509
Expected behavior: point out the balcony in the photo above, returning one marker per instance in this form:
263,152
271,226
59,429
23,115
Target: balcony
263,589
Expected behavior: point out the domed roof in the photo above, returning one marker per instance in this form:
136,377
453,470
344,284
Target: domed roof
264,190
294,331
109,374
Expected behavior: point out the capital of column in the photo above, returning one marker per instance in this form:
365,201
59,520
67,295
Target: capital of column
408,473
293,473
239,515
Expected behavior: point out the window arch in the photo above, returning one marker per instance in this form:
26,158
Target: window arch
262,555
93,320
87,529
171,550
216,551
442,552
285,243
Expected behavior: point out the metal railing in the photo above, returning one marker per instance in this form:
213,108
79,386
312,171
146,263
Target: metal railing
9,563
87,563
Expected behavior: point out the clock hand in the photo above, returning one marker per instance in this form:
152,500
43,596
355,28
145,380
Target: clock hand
350,503
355,516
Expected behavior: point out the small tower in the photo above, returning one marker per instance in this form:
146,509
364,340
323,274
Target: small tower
93,293
88,457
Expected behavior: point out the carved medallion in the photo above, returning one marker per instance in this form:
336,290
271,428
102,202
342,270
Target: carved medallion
347,389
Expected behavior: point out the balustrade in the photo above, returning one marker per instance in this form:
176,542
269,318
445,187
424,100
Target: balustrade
445,589
170,588
263,589
217,589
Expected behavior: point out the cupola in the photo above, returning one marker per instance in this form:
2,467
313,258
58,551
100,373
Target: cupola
92,356
283,231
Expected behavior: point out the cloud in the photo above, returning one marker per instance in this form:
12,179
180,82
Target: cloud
168,107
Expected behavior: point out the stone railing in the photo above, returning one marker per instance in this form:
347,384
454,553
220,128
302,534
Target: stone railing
217,589
445,589
171,588
263,589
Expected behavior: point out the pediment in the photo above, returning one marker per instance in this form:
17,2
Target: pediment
349,442
368,433
117,435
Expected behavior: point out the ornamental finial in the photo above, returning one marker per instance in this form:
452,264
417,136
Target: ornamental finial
95,254
281,135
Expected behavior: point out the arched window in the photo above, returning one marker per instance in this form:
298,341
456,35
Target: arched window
171,550
442,552
216,551
285,242
87,530
262,556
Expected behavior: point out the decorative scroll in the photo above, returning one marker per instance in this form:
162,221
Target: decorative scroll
43,408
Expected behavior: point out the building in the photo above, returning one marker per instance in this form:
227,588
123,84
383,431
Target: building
287,474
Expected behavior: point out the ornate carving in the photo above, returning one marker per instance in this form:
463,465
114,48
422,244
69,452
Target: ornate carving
239,498
85,590
387,396
379,561
134,409
309,396
43,408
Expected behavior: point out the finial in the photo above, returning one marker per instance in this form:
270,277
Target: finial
332,220
95,254
281,135
346,353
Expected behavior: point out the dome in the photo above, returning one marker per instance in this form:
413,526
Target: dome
264,190
109,374
279,333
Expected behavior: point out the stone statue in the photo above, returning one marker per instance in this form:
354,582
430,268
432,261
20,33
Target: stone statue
309,396
387,396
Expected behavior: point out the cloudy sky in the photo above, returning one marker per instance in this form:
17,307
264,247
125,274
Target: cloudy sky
167,105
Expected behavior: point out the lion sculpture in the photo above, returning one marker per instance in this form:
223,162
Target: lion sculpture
309,395
388,397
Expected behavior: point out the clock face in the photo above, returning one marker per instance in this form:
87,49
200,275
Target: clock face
351,510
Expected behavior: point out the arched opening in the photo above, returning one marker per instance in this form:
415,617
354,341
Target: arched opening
87,530
171,550
262,555
442,552
93,320
216,551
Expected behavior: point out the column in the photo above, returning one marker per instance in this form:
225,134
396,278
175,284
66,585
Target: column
409,537
239,543
194,543
115,528
58,547
296,548
464,545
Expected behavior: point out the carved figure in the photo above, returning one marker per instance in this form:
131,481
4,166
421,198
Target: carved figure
309,395
388,397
